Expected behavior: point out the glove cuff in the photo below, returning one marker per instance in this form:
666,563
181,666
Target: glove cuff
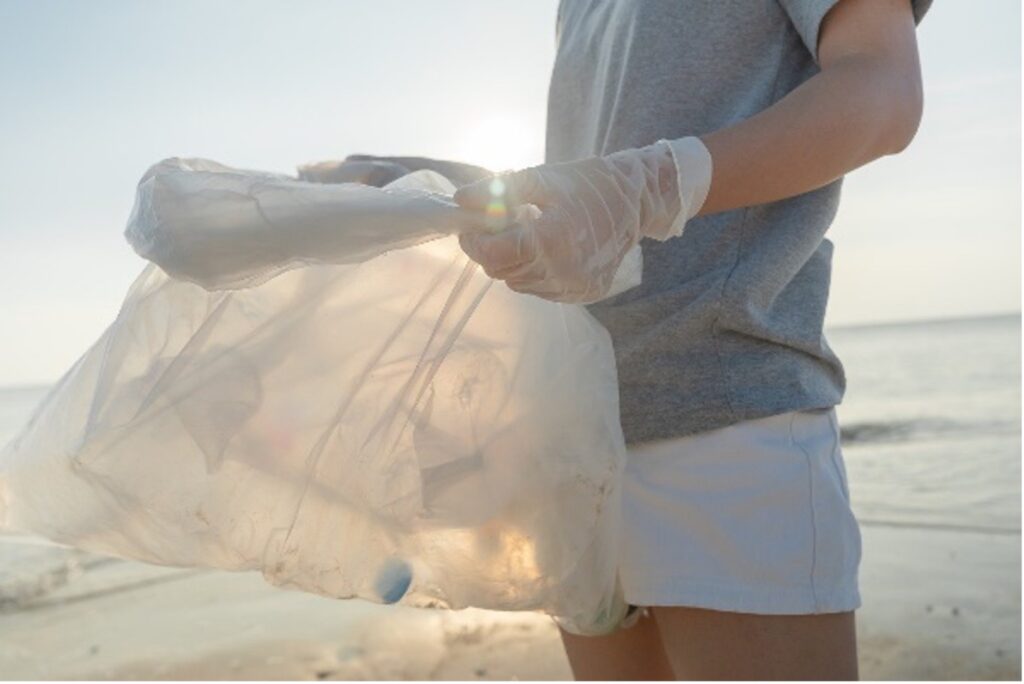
693,168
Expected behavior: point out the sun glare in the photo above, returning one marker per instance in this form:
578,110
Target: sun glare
502,143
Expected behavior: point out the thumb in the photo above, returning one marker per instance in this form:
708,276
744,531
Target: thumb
509,189
478,195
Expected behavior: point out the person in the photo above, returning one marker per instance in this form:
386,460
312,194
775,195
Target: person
715,134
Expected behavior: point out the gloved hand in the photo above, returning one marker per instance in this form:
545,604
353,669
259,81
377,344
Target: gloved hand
375,172
591,213
379,171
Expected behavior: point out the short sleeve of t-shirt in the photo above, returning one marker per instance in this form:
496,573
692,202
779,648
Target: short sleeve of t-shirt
807,16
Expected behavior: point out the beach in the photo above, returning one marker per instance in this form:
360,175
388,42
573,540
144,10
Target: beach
274,330
938,605
931,440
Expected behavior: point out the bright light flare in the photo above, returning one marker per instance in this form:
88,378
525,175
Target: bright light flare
497,212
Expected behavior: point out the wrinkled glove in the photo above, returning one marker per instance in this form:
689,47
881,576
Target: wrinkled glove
377,173
591,212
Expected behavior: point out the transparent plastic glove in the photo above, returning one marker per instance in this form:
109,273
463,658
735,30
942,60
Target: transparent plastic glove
377,173
592,212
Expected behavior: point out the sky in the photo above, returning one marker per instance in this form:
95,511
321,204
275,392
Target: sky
94,92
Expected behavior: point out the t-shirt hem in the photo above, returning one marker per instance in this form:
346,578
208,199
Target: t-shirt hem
671,424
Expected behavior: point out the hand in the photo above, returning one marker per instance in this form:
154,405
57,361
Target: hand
379,171
591,213
358,169
459,173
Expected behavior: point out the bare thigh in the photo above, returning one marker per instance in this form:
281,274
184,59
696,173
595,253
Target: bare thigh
629,654
709,644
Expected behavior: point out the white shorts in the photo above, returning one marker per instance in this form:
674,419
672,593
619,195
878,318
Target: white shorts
750,518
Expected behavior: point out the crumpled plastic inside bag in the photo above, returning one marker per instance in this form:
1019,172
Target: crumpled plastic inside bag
317,384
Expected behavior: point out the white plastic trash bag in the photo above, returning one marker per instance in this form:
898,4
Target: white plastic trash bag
369,416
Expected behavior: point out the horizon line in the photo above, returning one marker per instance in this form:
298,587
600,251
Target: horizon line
925,321
845,326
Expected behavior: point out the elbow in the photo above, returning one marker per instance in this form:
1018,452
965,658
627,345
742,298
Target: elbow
904,114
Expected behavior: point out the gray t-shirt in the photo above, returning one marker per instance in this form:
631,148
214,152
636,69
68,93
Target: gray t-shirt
727,325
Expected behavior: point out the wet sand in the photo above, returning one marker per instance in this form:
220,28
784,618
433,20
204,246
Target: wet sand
938,604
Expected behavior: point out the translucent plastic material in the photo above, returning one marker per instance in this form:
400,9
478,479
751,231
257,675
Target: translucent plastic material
389,424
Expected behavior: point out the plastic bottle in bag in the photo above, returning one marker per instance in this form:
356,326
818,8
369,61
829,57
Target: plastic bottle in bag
314,382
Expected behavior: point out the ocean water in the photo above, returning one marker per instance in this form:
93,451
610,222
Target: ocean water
931,422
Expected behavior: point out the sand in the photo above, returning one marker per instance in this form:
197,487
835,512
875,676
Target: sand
938,604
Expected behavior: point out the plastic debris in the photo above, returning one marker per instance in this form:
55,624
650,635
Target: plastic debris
316,383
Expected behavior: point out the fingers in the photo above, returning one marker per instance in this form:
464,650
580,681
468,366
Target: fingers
510,253
375,173
511,189
516,257
474,196
318,171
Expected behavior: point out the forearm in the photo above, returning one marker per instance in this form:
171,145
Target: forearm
457,172
840,119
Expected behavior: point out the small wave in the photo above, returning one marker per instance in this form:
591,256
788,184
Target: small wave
939,525
903,430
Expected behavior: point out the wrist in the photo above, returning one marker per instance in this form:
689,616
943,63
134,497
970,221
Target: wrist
692,165
648,177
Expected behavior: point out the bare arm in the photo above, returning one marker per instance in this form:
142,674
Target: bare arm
379,171
865,103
